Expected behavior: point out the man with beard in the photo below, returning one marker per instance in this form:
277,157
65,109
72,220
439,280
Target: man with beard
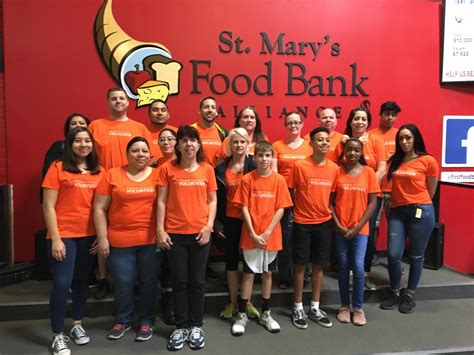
211,133
159,116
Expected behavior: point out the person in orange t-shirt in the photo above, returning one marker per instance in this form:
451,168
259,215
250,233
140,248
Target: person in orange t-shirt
375,156
68,191
263,195
414,177
125,220
159,116
210,132
228,223
167,142
185,218
112,134
287,152
353,201
249,119
312,180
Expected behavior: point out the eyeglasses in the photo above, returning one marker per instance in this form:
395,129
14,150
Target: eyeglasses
166,139
293,123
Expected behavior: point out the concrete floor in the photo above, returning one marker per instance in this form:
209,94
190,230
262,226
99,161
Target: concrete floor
442,325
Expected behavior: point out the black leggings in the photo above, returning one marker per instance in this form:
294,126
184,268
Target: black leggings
232,231
187,261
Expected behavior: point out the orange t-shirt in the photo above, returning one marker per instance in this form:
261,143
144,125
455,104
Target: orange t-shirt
74,211
211,142
313,184
162,160
263,195
187,208
154,146
232,182
409,181
111,139
389,142
287,156
352,197
374,151
334,142
132,209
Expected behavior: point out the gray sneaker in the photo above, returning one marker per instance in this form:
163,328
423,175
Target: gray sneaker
268,322
79,335
238,328
320,317
59,345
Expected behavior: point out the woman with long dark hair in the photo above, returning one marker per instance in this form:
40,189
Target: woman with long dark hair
414,176
68,192
185,218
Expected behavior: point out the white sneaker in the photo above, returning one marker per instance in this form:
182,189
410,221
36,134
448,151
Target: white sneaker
268,322
59,345
238,328
79,335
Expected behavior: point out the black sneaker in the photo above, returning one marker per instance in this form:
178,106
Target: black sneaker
299,318
145,333
391,302
79,335
196,338
320,317
211,274
118,331
177,339
407,304
59,345
102,289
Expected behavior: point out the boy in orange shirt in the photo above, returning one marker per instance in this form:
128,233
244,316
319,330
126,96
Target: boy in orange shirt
263,195
312,179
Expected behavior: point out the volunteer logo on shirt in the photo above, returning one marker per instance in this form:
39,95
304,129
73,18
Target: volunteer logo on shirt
233,182
145,70
84,184
404,173
458,141
211,142
117,133
138,190
263,194
319,182
191,182
353,187
293,156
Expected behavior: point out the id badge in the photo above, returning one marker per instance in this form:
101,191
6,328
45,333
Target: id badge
418,213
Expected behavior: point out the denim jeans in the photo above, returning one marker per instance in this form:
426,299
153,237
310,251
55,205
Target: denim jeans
72,272
403,222
351,253
285,260
188,268
127,266
371,248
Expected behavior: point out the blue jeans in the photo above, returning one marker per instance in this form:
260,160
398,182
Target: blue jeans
285,260
127,266
351,253
73,272
402,222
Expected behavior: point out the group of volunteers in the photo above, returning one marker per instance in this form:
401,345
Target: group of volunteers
147,201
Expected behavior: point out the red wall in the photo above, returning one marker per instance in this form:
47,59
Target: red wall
53,68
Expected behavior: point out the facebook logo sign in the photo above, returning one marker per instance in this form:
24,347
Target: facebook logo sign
458,141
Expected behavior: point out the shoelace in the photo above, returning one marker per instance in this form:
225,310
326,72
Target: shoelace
78,331
196,333
60,341
300,313
178,334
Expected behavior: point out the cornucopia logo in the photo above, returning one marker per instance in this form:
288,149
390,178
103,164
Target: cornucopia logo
145,70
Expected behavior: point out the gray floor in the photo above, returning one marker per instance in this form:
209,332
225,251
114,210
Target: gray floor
445,325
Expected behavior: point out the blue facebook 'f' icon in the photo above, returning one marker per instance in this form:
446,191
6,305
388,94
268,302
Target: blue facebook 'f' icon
458,141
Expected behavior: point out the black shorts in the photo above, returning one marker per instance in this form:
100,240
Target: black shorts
312,243
271,267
